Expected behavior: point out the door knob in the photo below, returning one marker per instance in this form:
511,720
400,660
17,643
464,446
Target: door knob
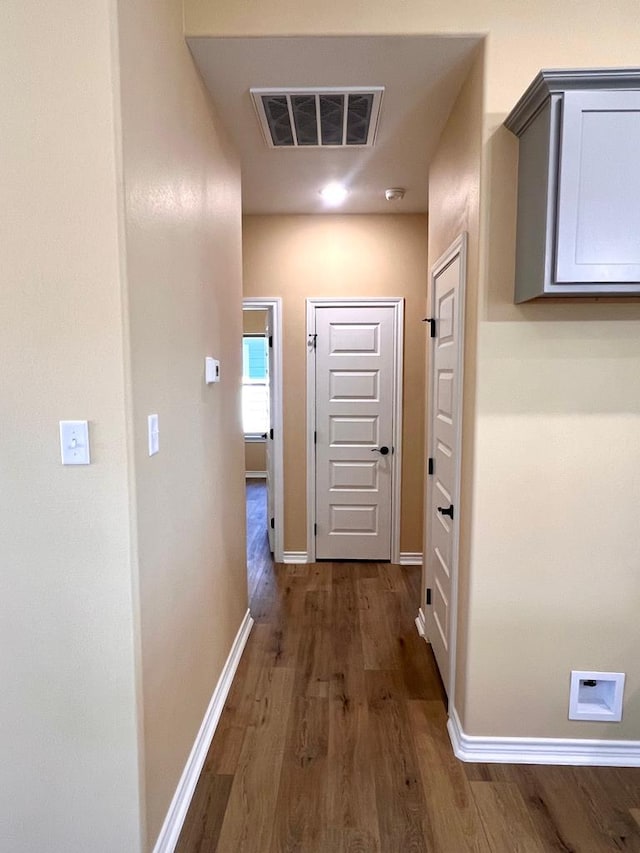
446,510
264,435
383,450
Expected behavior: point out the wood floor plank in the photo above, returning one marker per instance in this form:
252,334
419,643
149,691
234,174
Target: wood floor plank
314,655
297,570
250,814
201,833
505,817
320,576
451,808
413,581
229,737
578,819
608,804
351,765
301,811
411,655
287,623
527,780
402,821
391,578
257,540
477,772
378,642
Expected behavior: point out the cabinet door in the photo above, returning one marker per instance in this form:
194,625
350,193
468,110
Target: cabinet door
598,224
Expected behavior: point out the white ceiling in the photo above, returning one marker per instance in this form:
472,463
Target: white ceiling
421,76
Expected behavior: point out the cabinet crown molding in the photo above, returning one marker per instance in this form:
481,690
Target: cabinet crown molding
556,81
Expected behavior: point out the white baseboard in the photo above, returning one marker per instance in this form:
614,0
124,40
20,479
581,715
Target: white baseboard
407,558
420,624
410,558
297,557
524,750
255,475
172,826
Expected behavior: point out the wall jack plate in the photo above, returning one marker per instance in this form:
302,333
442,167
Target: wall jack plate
596,696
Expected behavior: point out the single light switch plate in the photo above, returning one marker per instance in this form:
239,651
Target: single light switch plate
74,442
211,370
154,434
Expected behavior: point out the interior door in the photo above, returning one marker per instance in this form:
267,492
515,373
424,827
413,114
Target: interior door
442,494
354,382
269,454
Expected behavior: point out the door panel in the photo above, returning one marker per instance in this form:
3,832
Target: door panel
353,475
353,431
441,529
354,381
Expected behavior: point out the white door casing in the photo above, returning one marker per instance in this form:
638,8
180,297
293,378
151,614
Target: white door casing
274,446
354,392
269,454
442,503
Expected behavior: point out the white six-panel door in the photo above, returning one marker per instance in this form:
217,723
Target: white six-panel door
443,482
354,426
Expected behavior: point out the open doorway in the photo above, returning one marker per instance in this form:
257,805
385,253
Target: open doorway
262,426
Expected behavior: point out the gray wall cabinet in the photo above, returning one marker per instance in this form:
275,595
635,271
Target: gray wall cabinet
578,184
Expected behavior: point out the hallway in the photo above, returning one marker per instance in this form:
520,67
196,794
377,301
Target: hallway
334,737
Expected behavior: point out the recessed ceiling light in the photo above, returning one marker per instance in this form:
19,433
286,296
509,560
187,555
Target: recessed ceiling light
334,193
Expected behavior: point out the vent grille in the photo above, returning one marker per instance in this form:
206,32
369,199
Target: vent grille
318,118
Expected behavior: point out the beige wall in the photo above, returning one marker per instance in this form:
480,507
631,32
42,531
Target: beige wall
553,542
69,766
183,238
125,580
254,322
255,456
304,256
454,199
554,538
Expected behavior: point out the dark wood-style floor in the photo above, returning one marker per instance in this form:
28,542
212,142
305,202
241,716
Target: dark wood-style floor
333,737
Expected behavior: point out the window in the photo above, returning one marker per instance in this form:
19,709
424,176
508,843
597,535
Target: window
255,385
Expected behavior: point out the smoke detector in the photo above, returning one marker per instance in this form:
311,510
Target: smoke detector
394,193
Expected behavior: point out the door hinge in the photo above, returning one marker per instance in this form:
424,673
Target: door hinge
270,341
311,343
430,466
315,529
432,325
315,437
273,524
271,433
428,596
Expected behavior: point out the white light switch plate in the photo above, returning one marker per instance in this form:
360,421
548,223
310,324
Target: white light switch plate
154,434
74,442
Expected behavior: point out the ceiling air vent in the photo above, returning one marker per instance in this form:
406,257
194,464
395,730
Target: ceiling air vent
318,118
